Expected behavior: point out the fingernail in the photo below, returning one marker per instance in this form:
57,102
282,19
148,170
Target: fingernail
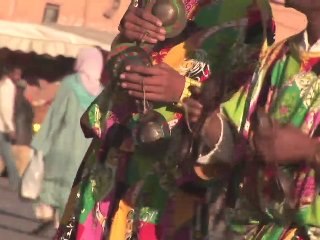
162,31
128,68
162,38
124,85
159,23
122,76
130,92
154,40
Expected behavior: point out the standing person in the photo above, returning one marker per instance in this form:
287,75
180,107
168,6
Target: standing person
23,116
14,73
60,138
7,125
41,94
124,190
276,188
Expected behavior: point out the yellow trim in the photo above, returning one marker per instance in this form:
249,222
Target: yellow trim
121,228
186,91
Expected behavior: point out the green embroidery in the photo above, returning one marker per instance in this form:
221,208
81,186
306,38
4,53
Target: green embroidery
149,215
87,200
94,116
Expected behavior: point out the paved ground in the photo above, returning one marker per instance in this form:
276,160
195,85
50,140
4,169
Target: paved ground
17,221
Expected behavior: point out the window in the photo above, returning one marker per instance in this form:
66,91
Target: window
51,13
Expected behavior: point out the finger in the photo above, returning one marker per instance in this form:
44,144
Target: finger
148,16
260,140
135,32
131,78
164,66
192,103
136,36
155,97
135,78
267,155
194,118
141,31
148,7
264,126
139,88
259,155
194,115
143,70
146,20
194,111
276,124
195,91
263,147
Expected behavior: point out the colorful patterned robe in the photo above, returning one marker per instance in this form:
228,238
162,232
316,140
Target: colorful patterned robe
287,86
128,192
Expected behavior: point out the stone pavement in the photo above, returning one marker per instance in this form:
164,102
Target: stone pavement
17,221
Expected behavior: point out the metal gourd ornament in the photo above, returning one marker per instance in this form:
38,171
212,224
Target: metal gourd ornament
152,126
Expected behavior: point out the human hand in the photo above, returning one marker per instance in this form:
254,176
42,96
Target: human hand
282,144
139,24
193,109
159,83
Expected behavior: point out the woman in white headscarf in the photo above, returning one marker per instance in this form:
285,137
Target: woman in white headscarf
60,138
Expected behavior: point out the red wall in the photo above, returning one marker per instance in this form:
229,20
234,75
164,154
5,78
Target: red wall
87,13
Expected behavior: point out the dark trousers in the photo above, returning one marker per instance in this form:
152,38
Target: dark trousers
7,157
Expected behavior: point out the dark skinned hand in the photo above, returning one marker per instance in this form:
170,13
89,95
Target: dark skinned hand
139,24
211,131
283,144
212,128
161,83
193,109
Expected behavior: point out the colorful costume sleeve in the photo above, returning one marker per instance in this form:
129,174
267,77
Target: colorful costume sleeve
92,121
151,181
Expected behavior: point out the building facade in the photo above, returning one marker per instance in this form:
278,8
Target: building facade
106,14
97,14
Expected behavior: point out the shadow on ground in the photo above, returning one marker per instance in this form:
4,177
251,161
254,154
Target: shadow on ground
17,221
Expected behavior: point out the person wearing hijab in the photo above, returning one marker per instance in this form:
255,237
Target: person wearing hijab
60,138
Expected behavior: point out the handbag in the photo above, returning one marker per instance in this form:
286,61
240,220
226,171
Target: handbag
32,177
